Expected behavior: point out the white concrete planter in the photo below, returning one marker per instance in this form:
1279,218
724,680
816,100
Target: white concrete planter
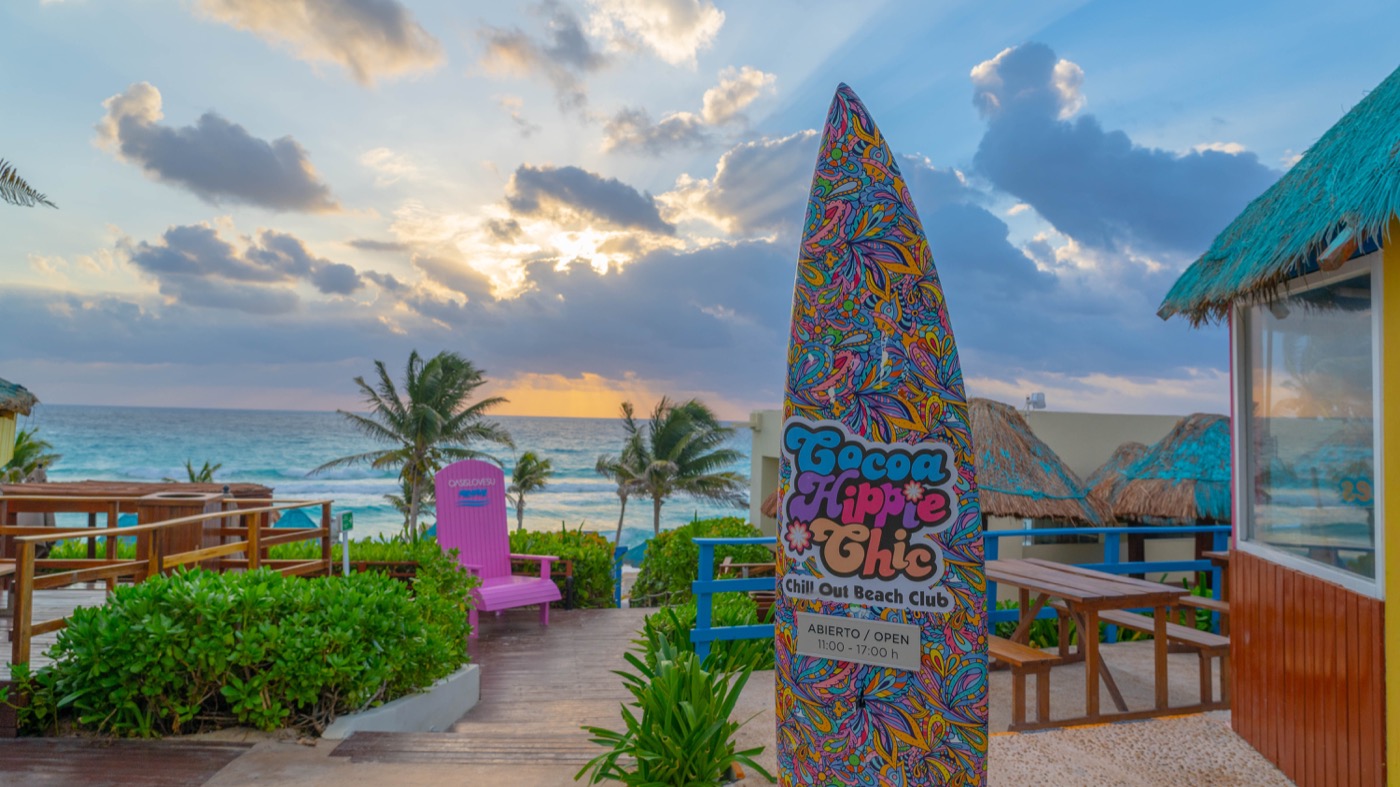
433,710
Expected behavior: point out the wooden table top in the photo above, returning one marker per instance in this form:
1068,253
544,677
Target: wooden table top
1081,586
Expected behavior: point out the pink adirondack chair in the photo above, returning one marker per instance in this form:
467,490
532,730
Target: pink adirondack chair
471,516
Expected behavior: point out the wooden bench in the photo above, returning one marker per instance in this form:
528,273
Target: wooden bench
1209,604
1023,659
1206,645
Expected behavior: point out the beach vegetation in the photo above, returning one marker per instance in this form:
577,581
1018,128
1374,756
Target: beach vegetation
590,553
625,470
402,501
427,421
682,451
14,190
673,560
197,650
677,730
204,475
33,455
673,625
530,474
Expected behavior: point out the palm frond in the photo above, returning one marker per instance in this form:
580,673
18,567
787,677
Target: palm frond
16,191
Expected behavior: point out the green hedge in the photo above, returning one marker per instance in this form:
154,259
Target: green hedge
672,559
673,625
591,553
198,650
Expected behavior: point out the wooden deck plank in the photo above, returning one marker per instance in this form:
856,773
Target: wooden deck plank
539,687
95,762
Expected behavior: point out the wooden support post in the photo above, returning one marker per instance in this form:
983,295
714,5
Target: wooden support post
254,539
113,517
24,603
1159,646
326,537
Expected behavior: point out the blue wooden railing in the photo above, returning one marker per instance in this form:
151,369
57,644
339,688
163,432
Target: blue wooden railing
706,586
619,552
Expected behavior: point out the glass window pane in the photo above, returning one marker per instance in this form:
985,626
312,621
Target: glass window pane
1311,426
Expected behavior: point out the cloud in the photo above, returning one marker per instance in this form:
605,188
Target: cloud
758,188
578,198
632,128
563,57
195,266
1094,185
215,159
391,167
737,89
674,30
372,39
514,105
370,244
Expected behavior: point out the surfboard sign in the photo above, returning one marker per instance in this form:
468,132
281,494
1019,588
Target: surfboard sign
880,619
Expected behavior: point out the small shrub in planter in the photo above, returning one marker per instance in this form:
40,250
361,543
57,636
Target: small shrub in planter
672,559
678,730
197,650
592,556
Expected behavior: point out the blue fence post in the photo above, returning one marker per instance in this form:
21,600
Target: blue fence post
1112,549
703,599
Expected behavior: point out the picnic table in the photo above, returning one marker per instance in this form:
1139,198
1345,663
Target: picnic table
1083,594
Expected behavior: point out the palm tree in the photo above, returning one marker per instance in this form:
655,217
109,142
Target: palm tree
14,190
432,422
403,501
531,473
31,456
682,452
625,470
204,475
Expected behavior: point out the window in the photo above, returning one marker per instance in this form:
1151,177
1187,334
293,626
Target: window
1308,385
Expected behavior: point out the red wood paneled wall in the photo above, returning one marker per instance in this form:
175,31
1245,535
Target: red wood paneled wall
1308,673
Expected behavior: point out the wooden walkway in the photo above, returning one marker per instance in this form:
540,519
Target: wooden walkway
48,604
538,688
97,762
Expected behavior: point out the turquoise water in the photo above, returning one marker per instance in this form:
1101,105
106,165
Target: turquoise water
279,448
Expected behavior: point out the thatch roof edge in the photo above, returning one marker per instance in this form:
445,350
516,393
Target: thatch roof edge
1348,179
15,398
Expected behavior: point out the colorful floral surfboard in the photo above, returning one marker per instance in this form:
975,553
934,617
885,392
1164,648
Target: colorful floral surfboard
881,620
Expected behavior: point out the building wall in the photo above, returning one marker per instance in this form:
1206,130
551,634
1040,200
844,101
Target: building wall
1308,673
1390,471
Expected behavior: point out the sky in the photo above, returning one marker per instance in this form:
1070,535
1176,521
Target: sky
600,200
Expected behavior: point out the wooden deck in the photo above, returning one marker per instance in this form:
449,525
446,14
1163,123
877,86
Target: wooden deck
48,604
38,762
538,688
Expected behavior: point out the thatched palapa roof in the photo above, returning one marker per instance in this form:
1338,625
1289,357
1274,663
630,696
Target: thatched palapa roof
770,503
14,398
1184,478
1019,476
1106,482
1336,202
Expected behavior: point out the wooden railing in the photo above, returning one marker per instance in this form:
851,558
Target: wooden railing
250,537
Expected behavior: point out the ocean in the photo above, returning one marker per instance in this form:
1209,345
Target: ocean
280,448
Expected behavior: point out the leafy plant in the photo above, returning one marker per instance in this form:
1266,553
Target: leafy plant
15,191
678,730
672,625
31,455
530,474
681,452
204,475
592,556
194,650
672,558
429,424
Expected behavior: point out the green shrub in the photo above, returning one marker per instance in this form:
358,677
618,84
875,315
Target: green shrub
76,549
591,554
373,549
672,625
678,731
672,558
196,649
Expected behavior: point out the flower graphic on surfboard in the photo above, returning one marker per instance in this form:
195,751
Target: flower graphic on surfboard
879,526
